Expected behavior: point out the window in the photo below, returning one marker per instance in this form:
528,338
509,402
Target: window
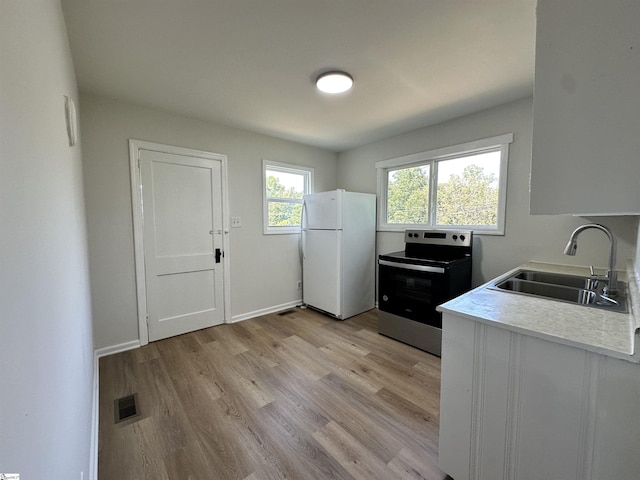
462,186
284,185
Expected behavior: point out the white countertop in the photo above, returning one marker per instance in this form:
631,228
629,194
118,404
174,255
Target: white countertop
594,329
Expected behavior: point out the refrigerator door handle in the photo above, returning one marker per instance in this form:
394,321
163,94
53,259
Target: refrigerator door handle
303,216
303,241
303,253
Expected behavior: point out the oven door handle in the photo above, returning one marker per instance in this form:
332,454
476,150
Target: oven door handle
408,266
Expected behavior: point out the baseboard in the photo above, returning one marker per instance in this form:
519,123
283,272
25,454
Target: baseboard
265,311
122,347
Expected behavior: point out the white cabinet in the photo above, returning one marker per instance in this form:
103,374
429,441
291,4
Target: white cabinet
522,408
586,115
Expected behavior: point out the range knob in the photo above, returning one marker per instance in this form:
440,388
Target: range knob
455,237
462,237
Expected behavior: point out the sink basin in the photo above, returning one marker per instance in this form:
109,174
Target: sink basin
563,288
556,279
558,292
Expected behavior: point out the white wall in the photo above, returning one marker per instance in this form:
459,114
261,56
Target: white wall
527,237
264,268
46,346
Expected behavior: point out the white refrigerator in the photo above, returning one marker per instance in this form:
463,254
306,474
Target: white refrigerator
338,252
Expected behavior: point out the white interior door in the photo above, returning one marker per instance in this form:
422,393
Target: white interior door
183,242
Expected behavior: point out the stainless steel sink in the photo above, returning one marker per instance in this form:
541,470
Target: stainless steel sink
556,279
565,288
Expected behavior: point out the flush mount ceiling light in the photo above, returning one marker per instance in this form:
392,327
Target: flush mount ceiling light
334,82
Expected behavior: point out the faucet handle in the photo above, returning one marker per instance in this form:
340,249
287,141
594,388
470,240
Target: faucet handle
596,276
593,281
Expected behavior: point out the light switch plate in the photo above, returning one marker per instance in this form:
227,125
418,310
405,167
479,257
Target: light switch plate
236,222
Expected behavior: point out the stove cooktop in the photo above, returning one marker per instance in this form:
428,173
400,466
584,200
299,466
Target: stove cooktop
434,248
428,260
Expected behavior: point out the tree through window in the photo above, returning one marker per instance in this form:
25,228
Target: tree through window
408,195
468,190
284,187
459,186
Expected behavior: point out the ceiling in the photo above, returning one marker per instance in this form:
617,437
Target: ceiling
251,64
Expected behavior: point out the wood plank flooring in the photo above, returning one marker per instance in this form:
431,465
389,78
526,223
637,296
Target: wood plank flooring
295,396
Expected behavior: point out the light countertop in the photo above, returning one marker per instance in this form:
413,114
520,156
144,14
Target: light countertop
593,329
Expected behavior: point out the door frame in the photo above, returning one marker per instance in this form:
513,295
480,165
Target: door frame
135,146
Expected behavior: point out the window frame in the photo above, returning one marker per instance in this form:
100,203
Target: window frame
305,172
432,158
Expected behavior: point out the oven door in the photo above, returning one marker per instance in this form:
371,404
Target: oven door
412,291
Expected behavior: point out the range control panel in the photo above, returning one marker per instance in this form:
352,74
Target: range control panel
461,238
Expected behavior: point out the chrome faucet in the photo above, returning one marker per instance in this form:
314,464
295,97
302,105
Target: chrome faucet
612,276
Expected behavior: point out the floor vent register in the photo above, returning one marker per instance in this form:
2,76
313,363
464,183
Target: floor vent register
126,408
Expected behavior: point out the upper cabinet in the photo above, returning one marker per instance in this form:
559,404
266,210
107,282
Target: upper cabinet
586,115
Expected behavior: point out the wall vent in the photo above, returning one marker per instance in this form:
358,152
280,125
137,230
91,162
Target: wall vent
126,407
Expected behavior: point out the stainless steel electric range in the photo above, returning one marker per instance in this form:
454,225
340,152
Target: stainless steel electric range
434,267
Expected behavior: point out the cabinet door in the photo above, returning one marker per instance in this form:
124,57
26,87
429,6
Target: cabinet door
517,407
586,140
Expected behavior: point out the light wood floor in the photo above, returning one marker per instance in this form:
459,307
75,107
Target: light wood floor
297,396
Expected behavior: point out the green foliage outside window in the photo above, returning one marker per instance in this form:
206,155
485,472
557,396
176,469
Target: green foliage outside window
283,213
470,198
408,195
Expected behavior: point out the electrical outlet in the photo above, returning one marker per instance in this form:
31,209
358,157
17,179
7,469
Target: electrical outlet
299,285
236,222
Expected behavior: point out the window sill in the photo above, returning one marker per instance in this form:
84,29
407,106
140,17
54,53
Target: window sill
282,231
